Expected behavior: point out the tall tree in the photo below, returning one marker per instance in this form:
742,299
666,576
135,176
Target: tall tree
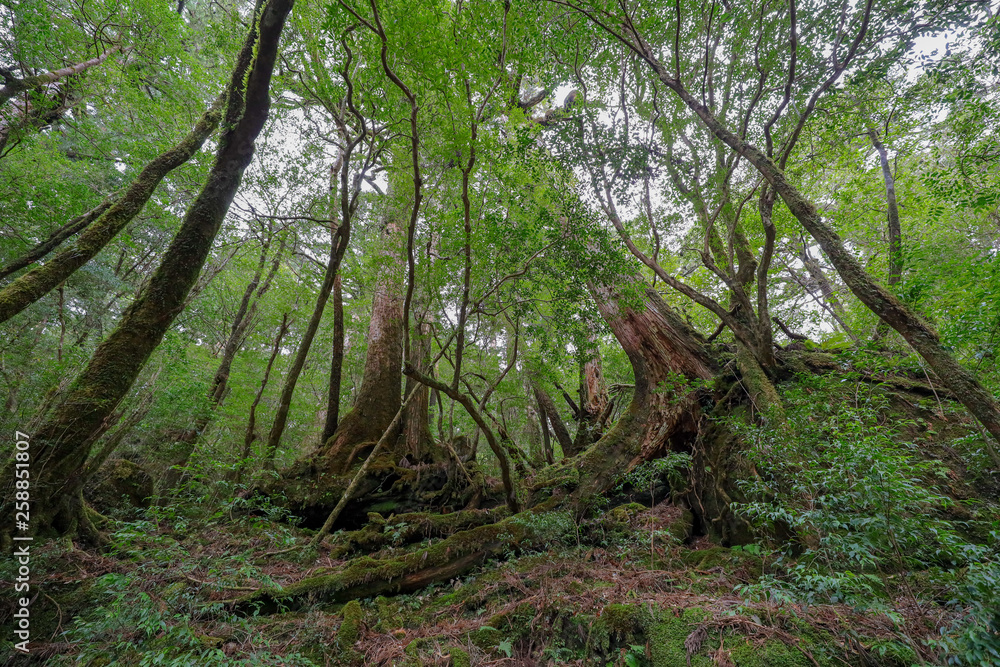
62,444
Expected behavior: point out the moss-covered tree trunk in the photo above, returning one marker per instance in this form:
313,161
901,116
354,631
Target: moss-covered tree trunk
666,355
62,444
40,281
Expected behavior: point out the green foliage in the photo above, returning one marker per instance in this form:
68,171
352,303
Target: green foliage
673,468
864,516
974,638
132,628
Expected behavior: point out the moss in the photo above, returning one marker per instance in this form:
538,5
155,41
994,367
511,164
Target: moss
621,618
459,657
486,638
382,508
367,577
666,634
120,484
350,628
704,559
773,653
624,513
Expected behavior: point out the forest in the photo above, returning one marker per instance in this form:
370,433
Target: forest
500,332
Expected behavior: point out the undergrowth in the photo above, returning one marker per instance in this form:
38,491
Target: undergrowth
867,517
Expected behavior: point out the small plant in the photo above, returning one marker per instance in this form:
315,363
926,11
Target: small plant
974,638
860,504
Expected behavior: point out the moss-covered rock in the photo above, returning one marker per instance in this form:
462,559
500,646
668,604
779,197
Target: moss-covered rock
667,634
120,484
459,657
350,628
486,638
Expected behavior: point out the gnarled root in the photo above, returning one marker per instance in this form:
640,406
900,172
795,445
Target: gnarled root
368,577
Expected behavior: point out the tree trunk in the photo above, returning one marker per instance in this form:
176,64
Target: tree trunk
250,436
416,428
892,212
378,398
40,281
62,444
292,377
666,355
593,401
336,363
556,422
543,425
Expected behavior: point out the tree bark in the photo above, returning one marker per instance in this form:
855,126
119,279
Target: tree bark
336,363
378,397
543,425
666,355
40,281
556,422
892,212
62,444
593,400
416,427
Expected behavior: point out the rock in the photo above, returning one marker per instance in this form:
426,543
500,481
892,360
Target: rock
120,484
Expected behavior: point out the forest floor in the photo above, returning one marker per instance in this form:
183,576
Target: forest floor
620,589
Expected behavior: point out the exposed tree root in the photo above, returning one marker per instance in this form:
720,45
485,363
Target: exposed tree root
368,577
410,528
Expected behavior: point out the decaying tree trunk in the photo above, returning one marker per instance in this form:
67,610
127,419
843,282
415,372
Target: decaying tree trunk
593,401
62,444
667,356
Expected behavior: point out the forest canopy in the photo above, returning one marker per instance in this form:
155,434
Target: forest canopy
391,296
